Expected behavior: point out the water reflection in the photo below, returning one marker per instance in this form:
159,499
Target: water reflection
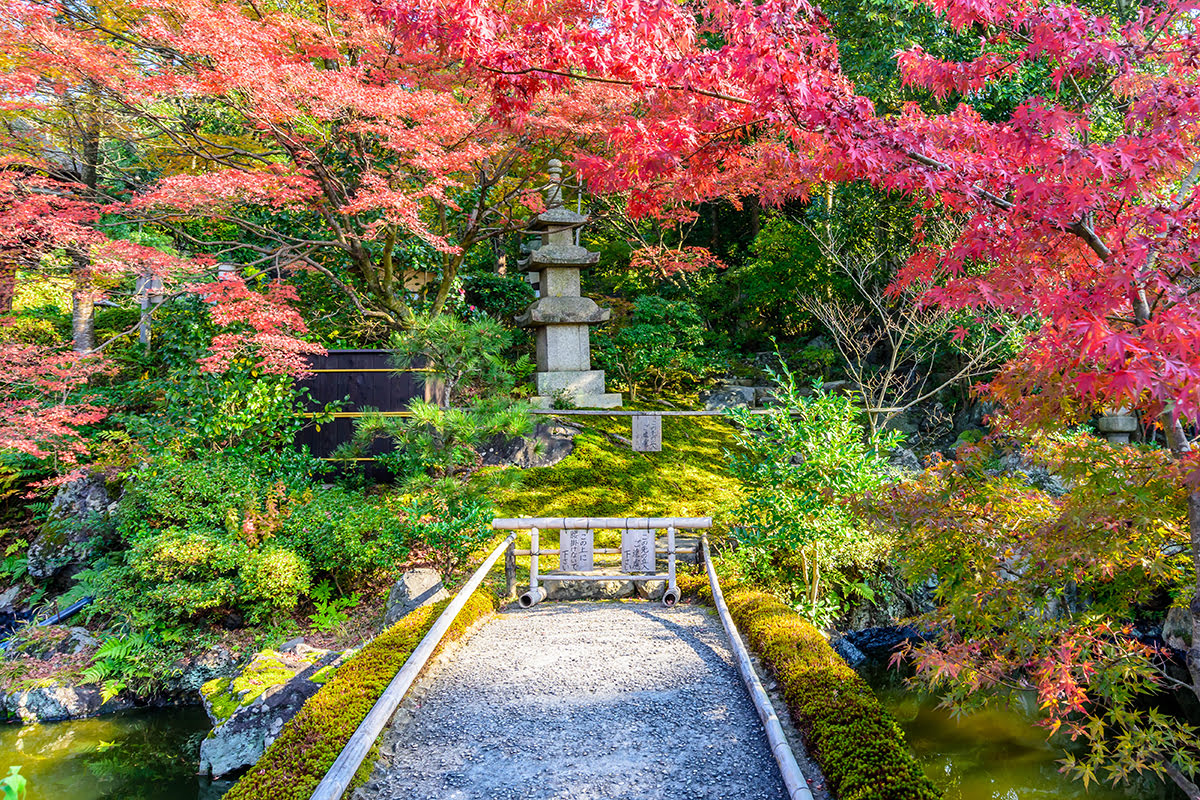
145,755
991,755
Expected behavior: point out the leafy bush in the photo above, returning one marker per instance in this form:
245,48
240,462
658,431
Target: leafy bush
346,533
861,749
213,534
664,345
308,745
453,525
502,296
799,463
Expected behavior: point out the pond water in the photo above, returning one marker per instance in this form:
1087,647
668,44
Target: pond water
142,755
991,755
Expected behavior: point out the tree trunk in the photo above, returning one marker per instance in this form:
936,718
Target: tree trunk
8,283
83,317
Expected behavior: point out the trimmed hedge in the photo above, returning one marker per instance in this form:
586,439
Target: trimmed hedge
861,749
308,745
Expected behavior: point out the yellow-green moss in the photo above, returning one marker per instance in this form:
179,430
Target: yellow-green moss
227,695
295,763
603,478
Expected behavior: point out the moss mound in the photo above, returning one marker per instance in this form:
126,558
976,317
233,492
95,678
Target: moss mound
308,745
860,748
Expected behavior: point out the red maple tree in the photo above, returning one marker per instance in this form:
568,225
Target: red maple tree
1078,208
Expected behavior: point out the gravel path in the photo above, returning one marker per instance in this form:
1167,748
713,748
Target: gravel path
581,701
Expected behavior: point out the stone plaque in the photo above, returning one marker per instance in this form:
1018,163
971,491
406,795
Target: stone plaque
576,550
637,551
647,433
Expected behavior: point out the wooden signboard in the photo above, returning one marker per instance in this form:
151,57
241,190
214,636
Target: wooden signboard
647,433
637,550
576,551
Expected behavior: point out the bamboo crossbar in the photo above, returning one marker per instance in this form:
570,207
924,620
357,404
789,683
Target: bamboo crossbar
606,551
597,523
588,412
560,576
339,776
793,777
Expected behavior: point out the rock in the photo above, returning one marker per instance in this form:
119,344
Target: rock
728,397
79,513
589,590
846,649
216,662
8,599
550,444
904,460
1036,476
882,641
415,588
44,642
765,396
250,709
973,416
58,702
1177,628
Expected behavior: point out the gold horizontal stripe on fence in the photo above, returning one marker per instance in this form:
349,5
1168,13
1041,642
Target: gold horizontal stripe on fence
371,369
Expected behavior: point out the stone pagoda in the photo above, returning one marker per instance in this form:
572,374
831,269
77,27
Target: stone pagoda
560,316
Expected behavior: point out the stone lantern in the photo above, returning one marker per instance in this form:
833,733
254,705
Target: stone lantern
560,316
1118,424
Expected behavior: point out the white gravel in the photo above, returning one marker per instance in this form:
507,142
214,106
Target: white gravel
581,701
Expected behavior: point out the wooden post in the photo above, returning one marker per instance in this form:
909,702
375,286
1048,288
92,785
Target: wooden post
510,571
534,551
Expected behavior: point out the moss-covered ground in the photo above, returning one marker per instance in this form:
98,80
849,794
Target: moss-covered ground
603,477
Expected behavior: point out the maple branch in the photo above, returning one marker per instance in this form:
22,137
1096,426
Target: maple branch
619,82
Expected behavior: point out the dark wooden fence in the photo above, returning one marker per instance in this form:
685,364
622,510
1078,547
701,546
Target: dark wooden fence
359,379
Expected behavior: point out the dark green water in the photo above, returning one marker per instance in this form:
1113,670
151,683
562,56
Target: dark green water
991,755
144,755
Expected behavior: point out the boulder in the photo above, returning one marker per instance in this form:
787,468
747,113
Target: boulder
550,444
249,710
79,513
728,397
846,649
904,460
1177,628
215,662
415,588
56,702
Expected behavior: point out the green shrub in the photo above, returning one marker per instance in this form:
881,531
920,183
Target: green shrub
664,345
216,533
861,749
502,296
799,464
347,533
308,745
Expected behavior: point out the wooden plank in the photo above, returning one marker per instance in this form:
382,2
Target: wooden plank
637,550
615,523
576,550
557,576
647,433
